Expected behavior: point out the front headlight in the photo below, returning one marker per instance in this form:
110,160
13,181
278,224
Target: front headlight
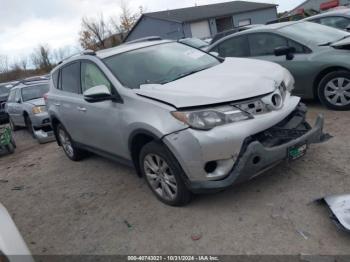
38,109
209,118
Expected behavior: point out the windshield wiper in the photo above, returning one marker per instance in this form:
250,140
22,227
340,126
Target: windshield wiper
185,74
329,43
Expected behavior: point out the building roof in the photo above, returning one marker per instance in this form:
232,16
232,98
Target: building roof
207,11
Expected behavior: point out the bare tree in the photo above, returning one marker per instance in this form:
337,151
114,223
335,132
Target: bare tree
93,33
41,58
23,61
61,53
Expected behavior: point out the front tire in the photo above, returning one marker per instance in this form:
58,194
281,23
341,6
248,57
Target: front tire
29,126
71,151
334,90
12,125
163,174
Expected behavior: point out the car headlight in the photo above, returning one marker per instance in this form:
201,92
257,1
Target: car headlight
207,119
38,109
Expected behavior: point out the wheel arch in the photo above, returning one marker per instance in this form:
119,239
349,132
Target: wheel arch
138,139
322,74
54,123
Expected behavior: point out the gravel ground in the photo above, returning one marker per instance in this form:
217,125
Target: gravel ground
100,207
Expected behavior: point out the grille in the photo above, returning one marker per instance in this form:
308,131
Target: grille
253,107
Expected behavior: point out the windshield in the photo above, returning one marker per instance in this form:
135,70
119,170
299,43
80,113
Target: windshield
158,64
4,91
315,33
33,92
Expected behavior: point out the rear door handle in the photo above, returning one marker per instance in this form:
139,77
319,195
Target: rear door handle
82,109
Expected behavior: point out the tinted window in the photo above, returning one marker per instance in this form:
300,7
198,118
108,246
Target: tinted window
70,78
336,21
264,44
92,76
234,47
158,64
34,92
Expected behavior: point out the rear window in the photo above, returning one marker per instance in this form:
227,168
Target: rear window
34,92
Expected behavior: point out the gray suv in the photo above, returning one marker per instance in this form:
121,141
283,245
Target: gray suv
188,122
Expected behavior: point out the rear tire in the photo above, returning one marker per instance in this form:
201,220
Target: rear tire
69,148
164,175
334,90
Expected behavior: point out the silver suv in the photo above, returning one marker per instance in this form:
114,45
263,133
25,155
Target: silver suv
26,108
189,122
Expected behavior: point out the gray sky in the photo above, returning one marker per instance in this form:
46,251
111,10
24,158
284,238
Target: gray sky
25,24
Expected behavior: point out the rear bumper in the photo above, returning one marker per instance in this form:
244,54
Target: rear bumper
247,166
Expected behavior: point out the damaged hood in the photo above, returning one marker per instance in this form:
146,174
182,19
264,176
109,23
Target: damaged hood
234,79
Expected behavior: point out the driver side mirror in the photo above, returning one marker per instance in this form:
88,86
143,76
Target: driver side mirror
98,94
288,51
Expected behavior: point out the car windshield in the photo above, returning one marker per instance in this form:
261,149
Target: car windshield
316,33
33,92
4,91
158,64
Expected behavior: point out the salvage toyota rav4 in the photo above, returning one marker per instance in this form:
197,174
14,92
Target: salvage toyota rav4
188,121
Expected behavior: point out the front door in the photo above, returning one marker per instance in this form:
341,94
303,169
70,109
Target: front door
100,120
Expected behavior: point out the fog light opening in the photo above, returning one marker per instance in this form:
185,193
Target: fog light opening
210,167
276,100
256,160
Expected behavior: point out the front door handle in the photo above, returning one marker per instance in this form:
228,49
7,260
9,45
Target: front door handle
82,109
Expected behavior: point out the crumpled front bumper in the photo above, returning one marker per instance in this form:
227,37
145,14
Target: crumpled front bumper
247,166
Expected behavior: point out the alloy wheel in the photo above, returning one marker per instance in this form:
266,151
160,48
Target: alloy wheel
66,142
337,91
160,177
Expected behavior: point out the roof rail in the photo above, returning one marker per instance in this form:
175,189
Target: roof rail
145,39
84,52
33,79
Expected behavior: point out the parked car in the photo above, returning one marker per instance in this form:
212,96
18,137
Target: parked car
186,120
194,42
4,92
220,35
317,56
26,108
339,19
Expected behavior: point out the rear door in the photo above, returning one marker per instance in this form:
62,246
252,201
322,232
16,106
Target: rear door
70,100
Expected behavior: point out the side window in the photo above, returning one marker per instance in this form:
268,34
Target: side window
55,78
336,21
299,49
70,78
264,44
234,47
92,76
18,95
